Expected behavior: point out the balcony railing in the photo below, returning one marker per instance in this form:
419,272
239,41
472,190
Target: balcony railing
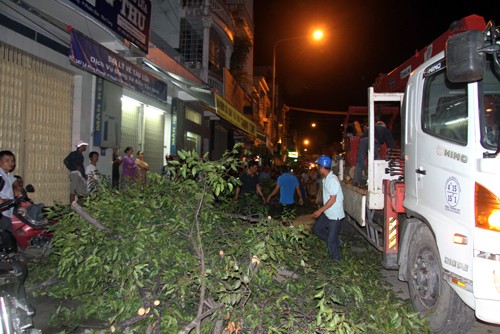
195,8
216,83
219,9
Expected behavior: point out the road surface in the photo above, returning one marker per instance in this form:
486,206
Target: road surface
401,289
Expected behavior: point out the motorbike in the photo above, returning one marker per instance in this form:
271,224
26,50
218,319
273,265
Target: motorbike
16,315
30,223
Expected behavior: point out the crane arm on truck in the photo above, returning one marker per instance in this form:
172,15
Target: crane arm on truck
395,81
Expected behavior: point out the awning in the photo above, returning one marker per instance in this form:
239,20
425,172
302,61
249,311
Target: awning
196,90
205,94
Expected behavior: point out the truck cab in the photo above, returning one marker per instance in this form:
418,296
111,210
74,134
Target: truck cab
433,207
452,164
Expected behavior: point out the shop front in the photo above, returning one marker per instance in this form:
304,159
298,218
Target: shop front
131,105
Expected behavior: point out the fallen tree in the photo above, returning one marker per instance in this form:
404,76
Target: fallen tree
175,256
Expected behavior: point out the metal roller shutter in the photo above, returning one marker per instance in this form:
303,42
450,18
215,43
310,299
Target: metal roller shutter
130,127
36,105
154,139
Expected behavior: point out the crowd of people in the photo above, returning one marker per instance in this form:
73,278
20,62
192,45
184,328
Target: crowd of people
304,185
319,183
84,180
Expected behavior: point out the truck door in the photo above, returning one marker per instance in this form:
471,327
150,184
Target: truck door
442,152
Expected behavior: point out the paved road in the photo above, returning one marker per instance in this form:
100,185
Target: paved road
401,289
46,307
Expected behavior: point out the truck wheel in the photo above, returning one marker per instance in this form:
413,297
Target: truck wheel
430,294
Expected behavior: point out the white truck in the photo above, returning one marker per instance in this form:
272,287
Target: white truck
433,205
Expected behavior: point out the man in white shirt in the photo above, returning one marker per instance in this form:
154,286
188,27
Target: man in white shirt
330,216
92,172
7,165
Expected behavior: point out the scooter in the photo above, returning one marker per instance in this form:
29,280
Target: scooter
16,316
30,223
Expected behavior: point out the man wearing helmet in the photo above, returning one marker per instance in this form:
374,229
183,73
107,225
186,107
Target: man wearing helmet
329,217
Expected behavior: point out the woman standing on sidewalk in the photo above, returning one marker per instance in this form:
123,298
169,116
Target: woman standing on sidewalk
142,168
129,167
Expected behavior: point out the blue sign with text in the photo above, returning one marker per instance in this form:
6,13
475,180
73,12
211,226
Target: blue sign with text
129,18
94,58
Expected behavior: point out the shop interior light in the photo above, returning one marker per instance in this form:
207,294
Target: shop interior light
153,111
128,102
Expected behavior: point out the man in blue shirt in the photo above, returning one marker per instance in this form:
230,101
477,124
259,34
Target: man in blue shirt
330,216
287,184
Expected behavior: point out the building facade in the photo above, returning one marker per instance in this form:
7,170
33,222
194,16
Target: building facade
155,75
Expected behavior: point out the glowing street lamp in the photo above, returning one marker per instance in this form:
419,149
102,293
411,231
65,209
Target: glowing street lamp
317,35
306,142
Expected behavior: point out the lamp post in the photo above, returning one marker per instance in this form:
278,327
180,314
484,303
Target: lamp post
317,35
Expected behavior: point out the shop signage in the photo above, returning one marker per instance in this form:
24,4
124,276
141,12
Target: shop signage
99,103
231,114
173,128
128,18
94,58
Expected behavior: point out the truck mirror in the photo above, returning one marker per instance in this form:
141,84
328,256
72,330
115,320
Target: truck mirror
464,63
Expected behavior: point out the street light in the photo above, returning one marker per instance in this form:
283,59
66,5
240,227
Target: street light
316,35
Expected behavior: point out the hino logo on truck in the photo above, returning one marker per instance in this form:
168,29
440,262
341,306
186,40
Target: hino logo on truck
441,151
435,67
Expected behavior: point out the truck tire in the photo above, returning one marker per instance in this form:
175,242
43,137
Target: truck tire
430,294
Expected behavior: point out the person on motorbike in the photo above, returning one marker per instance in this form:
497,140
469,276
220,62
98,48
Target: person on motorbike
7,165
19,190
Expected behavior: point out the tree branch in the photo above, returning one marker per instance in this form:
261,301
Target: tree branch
130,321
52,281
198,319
251,218
202,259
87,216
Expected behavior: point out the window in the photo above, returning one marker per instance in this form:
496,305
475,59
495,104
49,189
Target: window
193,142
444,108
216,54
489,108
191,43
193,116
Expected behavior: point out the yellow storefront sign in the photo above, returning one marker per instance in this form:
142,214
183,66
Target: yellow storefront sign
232,115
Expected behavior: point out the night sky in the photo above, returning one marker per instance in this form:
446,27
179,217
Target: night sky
363,38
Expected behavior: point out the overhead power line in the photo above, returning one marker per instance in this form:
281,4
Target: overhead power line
315,111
